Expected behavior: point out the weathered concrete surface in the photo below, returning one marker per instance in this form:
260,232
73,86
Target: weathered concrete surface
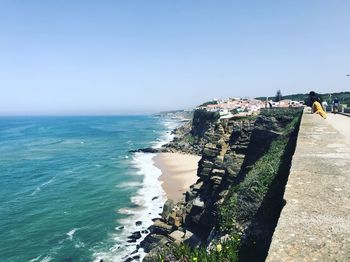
315,223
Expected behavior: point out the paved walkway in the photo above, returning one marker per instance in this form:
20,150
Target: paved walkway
315,222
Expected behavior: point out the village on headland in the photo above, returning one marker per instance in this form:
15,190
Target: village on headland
241,107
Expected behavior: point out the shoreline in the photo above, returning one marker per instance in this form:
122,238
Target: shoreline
179,172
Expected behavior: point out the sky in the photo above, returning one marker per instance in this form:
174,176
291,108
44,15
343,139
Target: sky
137,56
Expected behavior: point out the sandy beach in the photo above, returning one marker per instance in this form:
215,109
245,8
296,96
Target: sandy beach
179,171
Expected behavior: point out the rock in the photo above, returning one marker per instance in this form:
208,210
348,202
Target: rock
153,240
177,236
138,223
154,198
167,209
219,162
198,203
120,228
190,195
218,172
148,150
216,180
178,221
192,240
153,255
207,152
135,236
197,186
206,163
131,241
160,228
205,172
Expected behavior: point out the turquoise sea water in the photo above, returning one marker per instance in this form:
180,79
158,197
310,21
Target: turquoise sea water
69,189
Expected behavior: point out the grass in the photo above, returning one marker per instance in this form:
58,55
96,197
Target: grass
255,186
226,251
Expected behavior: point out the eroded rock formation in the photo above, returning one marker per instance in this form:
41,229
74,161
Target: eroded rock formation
229,148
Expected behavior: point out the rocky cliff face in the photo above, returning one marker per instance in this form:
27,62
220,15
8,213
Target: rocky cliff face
191,137
229,148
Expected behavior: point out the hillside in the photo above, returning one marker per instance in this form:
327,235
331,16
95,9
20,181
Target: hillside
344,97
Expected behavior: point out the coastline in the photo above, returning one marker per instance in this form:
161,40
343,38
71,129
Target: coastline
148,201
179,172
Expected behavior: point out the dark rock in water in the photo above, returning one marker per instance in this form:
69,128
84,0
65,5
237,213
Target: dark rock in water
121,227
129,259
148,150
144,231
156,197
101,260
136,257
138,223
131,241
134,236
133,252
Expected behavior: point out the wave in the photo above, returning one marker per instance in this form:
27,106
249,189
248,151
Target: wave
38,188
148,208
149,200
46,259
125,185
35,259
70,234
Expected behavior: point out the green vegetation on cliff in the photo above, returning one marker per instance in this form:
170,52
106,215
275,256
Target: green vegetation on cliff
209,103
252,195
255,185
343,97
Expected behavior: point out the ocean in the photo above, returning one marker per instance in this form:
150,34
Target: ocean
71,191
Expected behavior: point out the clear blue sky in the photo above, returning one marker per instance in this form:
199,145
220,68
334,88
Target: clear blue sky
109,57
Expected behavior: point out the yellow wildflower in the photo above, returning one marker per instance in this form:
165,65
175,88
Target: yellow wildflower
219,247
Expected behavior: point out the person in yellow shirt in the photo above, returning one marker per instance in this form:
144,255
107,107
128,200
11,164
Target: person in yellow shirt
318,109
316,105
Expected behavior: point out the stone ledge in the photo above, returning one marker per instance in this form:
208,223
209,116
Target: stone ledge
314,224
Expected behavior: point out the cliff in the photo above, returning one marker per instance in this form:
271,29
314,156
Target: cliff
238,195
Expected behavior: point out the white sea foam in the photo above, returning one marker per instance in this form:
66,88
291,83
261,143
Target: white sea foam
35,259
70,234
46,259
146,211
148,206
38,188
48,182
126,211
131,184
79,244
